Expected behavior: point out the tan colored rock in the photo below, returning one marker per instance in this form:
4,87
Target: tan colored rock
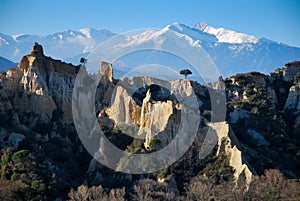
33,82
124,109
228,144
106,72
154,117
37,50
42,84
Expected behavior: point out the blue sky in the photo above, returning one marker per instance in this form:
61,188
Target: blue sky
274,19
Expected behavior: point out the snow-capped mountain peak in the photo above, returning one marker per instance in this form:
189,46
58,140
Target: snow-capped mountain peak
91,33
159,37
191,32
201,26
232,52
225,35
87,32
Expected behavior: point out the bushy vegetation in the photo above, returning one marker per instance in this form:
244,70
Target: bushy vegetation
219,169
270,186
296,78
154,143
19,155
96,193
19,177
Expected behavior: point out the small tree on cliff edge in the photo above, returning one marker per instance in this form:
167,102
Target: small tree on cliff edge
185,72
83,60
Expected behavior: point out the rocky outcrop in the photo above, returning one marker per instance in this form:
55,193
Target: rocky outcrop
293,104
42,85
153,105
257,137
293,100
271,92
154,118
238,114
106,72
124,109
228,144
8,139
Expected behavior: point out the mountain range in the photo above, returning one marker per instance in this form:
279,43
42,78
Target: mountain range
5,64
231,52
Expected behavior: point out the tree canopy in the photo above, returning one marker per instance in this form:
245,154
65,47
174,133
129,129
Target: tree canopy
185,72
83,60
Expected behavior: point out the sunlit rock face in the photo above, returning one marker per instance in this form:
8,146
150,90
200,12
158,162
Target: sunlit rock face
228,144
153,105
42,85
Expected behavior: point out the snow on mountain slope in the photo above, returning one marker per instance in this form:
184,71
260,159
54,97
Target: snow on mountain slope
232,52
59,45
243,54
158,37
226,36
192,32
143,48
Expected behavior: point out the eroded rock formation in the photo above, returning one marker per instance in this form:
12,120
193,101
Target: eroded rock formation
37,87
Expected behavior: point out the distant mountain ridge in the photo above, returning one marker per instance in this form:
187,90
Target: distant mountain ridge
6,64
225,35
60,45
232,52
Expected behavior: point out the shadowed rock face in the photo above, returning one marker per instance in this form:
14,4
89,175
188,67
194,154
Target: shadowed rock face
293,100
293,104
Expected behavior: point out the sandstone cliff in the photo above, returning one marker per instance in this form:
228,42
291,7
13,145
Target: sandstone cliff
37,87
156,108
229,144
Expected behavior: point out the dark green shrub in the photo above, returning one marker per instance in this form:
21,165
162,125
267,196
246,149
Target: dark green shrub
296,79
164,172
219,170
136,146
57,114
38,185
19,154
15,177
154,143
4,162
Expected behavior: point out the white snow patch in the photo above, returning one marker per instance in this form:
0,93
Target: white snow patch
87,32
227,36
